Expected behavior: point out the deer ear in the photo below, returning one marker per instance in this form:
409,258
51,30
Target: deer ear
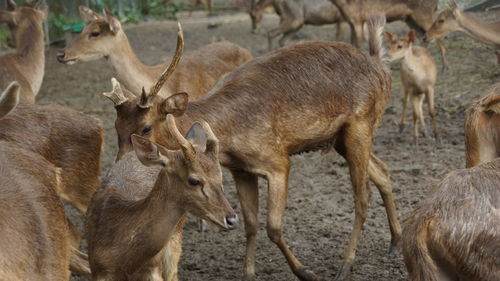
175,104
11,5
389,36
7,17
148,152
197,137
114,23
9,98
88,15
493,105
411,36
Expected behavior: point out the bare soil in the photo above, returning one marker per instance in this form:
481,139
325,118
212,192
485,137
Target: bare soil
320,211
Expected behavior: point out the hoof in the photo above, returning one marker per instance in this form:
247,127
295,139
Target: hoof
202,225
344,272
305,274
401,128
395,247
445,68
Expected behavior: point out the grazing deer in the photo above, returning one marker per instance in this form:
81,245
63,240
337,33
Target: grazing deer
132,218
455,233
416,13
482,128
452,19
418,76
196,73
255,10
27,64
294,14
333,92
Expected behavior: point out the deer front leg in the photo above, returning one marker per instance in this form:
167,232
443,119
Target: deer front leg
442,50
276,202
403,111
248,194
432,111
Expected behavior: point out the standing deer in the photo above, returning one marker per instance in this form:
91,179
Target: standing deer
455,233
416,13
27,64
133,218
333,92
197,72
482,128
295,13
452,19
418,75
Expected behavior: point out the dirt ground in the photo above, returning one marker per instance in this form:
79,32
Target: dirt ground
320,212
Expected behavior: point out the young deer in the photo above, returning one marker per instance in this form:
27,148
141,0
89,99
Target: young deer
333,92
416,13
197,72
452,19
294,14
455,233
27,64
418,76
482,128
132,219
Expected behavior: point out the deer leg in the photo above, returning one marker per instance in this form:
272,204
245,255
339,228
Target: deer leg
442,51
248,194
432,111
357,143
403,113
358,33
417,112
341,26
286,27
379,175
278,189
287,36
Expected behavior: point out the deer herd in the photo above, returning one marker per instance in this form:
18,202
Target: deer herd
179,122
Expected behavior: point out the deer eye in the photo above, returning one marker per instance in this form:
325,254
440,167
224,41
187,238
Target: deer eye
399,46
441,21
94,34
147,130
193,182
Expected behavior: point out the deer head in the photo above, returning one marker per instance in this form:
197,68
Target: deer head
399,46
194,172
445,23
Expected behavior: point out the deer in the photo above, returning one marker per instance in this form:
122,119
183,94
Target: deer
139,209
294,14
26,64
418,76
197,72
482,128
416,13
333,91
452,20
255,10
454,234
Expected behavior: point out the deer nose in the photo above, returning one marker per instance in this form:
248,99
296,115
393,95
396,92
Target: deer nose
232,221
425,39
60,55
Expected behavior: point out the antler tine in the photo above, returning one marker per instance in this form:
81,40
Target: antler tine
116,95
186,146
173,64
212,140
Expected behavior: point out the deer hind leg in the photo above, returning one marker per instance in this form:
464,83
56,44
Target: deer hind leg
417,101
278,189
379,175
356,148
432,111
286,27
248,193
341,27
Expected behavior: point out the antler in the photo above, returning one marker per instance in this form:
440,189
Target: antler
146,97
11,5
116,95
186,146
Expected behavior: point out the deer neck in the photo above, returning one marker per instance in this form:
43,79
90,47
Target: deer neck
128,67
488,33
30,52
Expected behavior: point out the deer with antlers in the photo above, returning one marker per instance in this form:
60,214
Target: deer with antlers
27,64
333,92
196,74
452,19
134,224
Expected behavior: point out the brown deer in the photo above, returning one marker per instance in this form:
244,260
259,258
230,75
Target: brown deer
294,14
132,217
455,233
333,92
482,128
255,10
416,13
196,73
418,76
27,64
452,19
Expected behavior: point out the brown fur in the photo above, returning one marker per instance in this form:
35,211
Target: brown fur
482,128
294,14
134,224
418,75
418,14
455,233
34,235
296,99
27,64
196,73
